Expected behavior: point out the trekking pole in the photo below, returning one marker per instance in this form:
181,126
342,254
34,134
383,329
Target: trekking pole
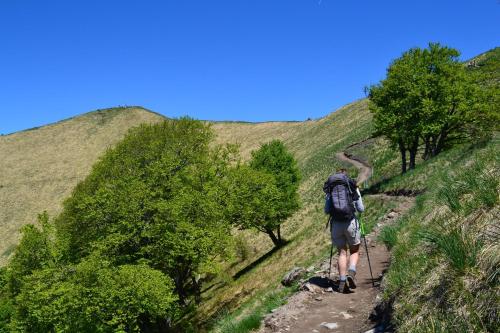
331,248
366,248
330,267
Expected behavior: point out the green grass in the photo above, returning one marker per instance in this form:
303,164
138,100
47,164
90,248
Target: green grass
444,271
377,208
389,235
458,246
238,322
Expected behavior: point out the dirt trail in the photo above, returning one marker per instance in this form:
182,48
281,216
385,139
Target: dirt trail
365,170
319,305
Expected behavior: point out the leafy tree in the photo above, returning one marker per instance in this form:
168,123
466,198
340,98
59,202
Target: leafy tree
274,159
156,198
94,296
35,251
255,201
7,308
429,97
154,207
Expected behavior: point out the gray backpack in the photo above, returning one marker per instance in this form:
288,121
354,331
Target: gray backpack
340,195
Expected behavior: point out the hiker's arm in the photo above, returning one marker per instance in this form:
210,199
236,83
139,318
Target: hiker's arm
358,204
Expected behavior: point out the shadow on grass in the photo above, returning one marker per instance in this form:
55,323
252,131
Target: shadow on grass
377,189
218,285
257,262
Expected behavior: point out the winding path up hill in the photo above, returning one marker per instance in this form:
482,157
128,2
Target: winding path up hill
319,308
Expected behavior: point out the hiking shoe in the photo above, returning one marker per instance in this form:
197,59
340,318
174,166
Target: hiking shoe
343,287
351,279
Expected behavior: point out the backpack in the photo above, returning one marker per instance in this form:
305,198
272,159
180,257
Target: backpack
340,197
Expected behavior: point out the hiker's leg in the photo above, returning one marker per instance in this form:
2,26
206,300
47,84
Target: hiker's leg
338,239
354,256
354,241
342,262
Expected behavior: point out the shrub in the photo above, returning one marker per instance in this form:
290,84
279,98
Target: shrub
92,297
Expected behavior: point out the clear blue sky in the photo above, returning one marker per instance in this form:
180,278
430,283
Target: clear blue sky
251,60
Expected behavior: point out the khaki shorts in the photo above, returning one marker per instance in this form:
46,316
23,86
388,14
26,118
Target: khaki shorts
346,233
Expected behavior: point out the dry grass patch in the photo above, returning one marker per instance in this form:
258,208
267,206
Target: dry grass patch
40,167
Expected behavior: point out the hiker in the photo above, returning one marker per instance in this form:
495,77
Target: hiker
343,199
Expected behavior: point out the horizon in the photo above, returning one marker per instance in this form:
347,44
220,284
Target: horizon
243,61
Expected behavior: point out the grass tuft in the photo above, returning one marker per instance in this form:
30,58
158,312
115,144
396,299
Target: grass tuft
389,235
458,246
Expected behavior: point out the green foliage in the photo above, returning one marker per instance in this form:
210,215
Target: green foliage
274,159
94,297
430,98
7,308
35,251
389,235
157,197
247,324
155,207
476,181
250,321
255,199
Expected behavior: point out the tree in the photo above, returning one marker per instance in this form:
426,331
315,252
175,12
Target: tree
34,252
429,98
274,159
255,201
94,296
133,241
155,198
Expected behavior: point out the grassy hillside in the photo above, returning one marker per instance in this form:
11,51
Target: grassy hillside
40,167
416,281
44,164
445,266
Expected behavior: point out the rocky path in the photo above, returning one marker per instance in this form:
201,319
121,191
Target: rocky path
319,307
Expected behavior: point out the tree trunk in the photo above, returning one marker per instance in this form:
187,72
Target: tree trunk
402,150
279,234
440,143
413,154
196,289
276,240
427,151
180,290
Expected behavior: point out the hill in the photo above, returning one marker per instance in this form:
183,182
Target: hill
39,167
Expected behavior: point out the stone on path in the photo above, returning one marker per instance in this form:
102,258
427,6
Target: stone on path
346,315
330,326
310,287
292,276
